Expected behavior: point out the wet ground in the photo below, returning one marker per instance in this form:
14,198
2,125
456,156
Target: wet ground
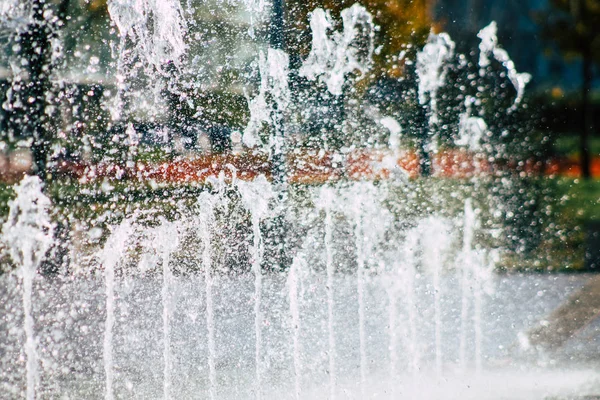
398,357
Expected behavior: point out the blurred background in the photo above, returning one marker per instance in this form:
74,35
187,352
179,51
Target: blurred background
556,41
96,115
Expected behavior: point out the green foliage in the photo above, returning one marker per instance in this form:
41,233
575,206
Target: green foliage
87,33
573,25
7,193
567,145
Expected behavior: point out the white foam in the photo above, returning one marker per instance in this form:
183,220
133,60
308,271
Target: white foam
488,48
335,54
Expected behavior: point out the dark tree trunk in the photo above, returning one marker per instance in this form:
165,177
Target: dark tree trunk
423,140
33,98
420,122
278,235
586,130
33,86
277,41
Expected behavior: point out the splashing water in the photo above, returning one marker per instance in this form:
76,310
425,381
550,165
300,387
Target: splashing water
293,281
166,245
326,201
435,244
157,28
489,48
254,7
383,297
432,63
274,86
12,9
114,251
205,226
28,234
466,260
333,56
471,130
256,198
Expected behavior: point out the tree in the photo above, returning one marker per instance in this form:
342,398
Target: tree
33,98
574,26
31,89
44,39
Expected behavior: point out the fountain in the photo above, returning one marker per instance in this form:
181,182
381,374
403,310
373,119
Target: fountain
28,234
390,290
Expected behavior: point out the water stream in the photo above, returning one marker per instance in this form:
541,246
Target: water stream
28,233
114,251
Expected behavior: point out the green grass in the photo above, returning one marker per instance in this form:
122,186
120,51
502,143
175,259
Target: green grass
542,221
7,193
566,207
581,198
539,222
